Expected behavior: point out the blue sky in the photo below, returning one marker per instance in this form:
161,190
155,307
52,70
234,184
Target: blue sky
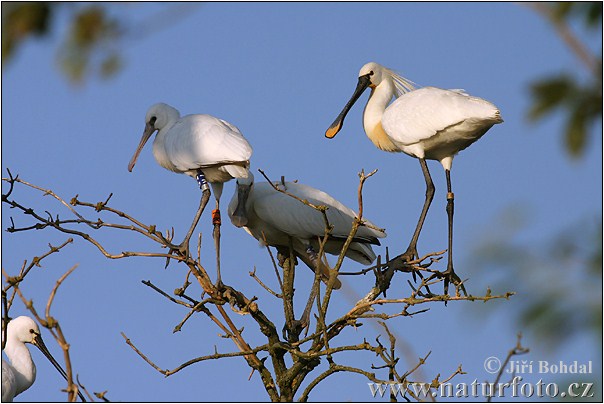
281,72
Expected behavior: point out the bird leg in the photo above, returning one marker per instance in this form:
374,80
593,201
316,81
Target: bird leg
216,221
183,248
314,257
312,260
287,263
304,322
295,327
449,274
201,180
411,252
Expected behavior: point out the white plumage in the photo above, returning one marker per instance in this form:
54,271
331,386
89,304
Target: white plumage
196,142
202,146
20,374
272,216
426,123
436,124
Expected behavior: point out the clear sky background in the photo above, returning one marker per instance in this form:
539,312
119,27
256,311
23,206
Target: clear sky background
281,73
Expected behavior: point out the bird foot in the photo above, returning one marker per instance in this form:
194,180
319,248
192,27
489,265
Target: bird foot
451,277
181,249
409,256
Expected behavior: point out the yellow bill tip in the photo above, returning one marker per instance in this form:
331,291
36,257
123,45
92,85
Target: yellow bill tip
333,130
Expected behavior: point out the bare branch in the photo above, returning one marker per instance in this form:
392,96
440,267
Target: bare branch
284,379
269,290
56,287
517,350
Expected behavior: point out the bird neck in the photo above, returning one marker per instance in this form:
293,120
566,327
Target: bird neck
159,149
22,364
168,120
372,116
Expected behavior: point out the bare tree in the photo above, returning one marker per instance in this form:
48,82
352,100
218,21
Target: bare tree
287,360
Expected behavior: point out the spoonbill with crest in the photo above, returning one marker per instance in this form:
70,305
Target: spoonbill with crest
206,148
20,373
427,123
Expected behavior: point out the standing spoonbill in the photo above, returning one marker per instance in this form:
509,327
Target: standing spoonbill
201,146
273,217
427,123
20,373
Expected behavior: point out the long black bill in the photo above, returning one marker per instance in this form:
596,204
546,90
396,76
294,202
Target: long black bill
239,215
42,347
149,129
335,127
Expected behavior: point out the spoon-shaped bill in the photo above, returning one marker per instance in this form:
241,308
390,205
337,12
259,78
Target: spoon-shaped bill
239,216
42,347
363,83
149,129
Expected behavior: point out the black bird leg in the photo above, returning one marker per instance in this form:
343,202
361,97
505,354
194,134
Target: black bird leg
183,247
411,252
449,274
314,257
217,222
297,326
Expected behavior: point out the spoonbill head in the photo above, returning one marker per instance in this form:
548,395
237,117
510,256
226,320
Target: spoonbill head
20,373
425,123
273,217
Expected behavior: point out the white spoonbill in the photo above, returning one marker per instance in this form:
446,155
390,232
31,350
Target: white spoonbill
427,123
20,373
274,217
201,146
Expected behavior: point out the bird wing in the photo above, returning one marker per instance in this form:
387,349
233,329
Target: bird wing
198,141
9,383
293,217
421,114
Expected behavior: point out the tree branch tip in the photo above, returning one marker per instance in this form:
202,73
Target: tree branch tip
364,176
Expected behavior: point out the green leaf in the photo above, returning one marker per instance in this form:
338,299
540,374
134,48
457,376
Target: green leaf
550,94
575,132
20,20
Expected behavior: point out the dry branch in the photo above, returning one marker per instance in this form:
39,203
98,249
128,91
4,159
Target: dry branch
284,379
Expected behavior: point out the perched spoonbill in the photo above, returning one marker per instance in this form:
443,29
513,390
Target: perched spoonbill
273,217
20,374
426,123
201,146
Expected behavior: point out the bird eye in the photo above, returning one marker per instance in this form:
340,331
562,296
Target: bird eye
371,73
32,331
152,120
